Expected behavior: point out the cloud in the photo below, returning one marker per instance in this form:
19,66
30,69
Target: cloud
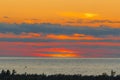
6,17
21,36
72,37
103,21
60,49
92,21
47,32
37,37
48,28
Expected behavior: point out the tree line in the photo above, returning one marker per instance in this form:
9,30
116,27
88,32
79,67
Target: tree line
12,75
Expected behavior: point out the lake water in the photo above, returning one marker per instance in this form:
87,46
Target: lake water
60,65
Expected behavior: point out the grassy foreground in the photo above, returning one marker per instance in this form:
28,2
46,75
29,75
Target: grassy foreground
12,75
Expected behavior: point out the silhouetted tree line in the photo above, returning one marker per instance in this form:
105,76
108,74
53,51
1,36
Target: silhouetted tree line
12,75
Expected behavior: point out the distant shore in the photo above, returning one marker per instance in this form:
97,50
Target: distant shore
12,75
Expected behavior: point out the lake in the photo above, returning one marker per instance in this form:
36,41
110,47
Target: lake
89,66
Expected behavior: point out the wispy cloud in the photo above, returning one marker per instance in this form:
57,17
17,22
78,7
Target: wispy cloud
60,49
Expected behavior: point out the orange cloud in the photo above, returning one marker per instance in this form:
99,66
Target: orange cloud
72,37
87,19
49,36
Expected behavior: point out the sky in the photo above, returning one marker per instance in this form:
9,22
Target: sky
60,28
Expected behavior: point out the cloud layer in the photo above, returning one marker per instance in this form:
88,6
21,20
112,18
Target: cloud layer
54,40
48,28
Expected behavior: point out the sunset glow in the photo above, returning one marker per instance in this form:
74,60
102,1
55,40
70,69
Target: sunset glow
60,28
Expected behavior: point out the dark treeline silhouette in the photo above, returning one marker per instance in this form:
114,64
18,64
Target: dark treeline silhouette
12,75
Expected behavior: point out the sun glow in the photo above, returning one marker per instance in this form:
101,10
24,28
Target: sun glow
90,15
60,55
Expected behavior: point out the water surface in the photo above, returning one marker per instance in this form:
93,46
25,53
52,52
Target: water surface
60,65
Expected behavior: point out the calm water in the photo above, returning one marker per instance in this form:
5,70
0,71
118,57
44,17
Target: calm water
56,66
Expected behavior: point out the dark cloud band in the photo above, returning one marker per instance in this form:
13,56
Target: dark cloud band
48,28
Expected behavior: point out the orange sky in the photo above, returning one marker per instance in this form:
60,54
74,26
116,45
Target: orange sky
60,11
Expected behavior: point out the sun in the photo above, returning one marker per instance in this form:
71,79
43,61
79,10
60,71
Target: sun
90,15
